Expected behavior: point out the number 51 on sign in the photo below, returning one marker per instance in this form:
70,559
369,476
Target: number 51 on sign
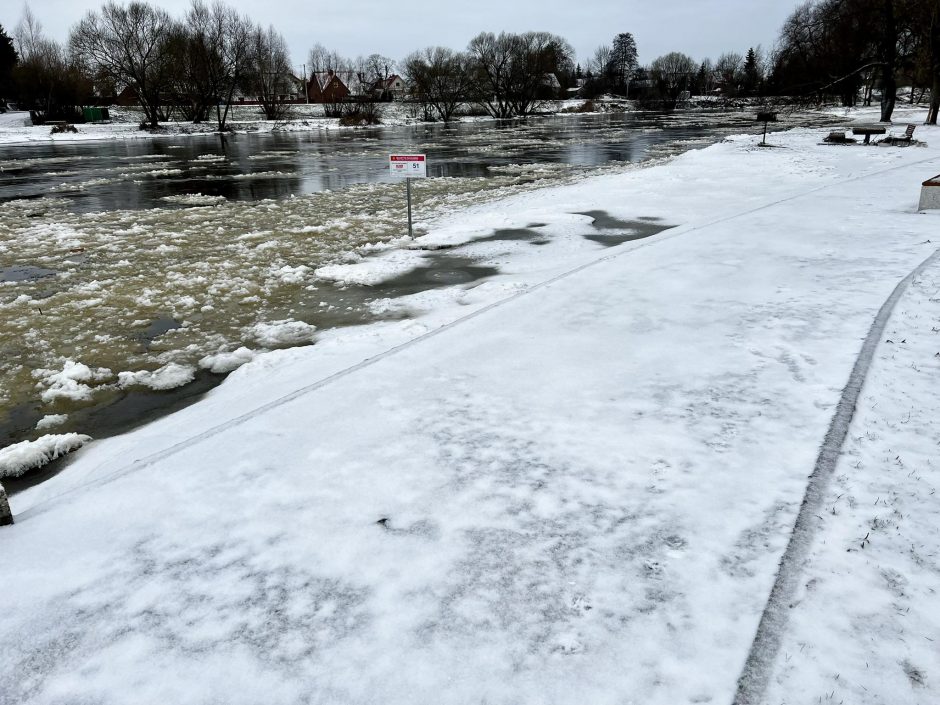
408,167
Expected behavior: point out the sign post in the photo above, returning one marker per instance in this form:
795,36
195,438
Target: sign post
408,167
766,117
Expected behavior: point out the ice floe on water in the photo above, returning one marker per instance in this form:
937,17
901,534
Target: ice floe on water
224,362
51,421
26,455
169,376
194,199
74,381
282,333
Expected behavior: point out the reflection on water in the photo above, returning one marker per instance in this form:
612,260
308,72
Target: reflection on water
137,174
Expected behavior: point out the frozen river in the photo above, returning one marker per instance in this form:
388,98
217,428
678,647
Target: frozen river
121,259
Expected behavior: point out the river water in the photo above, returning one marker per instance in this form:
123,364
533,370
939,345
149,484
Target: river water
128,256
113,175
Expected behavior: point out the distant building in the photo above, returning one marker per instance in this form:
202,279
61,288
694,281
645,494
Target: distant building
327,87
394,86
127,97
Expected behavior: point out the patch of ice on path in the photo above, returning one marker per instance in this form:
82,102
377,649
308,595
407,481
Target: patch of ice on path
169,376
26,455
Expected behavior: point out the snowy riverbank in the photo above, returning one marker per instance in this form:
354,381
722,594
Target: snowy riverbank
16,128
571,481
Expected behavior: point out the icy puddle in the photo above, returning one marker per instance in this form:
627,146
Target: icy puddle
614,231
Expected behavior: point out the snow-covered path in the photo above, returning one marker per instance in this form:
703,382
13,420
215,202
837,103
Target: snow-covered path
579,495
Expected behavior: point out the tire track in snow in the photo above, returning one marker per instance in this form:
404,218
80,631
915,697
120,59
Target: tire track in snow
752,683
147,461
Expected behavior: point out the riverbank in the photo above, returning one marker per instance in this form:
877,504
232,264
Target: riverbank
125,267
16,128
570,482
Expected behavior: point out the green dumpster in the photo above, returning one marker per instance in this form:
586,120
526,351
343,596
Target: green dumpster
95,114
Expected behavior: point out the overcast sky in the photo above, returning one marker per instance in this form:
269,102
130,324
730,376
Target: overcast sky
700,28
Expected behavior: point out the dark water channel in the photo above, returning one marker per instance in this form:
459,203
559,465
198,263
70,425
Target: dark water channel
129,174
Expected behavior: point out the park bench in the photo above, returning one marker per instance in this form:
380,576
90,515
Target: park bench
906,138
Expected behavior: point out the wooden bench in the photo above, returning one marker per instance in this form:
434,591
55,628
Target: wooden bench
906,138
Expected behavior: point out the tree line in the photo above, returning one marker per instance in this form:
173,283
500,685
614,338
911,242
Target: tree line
848,49
196,65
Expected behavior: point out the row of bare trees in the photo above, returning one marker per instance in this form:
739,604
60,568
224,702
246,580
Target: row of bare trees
194,64
508,74
848,48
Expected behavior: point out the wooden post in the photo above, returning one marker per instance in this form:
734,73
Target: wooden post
6,516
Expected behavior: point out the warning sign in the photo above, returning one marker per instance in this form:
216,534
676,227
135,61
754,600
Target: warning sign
408,166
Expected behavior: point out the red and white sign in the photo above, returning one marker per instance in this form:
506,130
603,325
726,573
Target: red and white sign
408,166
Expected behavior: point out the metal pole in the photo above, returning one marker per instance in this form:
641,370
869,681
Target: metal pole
408,189
765,134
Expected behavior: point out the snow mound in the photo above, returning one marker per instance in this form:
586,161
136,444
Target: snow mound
279,333
169,376
224,362
21,457
71,382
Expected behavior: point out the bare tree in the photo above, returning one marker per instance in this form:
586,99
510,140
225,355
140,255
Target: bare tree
672,74
729,70
440,79
320,59
46,81
510,70
600,61
128,44
214,58
268,74
378,70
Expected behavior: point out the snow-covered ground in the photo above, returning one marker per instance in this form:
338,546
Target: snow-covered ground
571,482
16,127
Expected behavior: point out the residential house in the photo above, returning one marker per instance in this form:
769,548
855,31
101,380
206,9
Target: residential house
327,87
393,87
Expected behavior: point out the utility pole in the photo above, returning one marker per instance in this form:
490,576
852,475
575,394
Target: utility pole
306,92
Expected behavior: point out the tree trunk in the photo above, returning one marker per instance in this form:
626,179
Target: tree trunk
934,65
934,101
889,50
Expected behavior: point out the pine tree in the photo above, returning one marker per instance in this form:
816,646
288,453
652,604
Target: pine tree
8,60
752,78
